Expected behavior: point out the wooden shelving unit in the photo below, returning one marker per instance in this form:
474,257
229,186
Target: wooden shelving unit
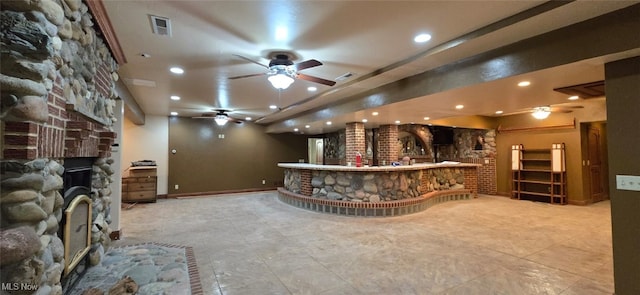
539,174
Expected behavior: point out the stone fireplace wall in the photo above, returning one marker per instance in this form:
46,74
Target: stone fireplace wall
32,252
57,86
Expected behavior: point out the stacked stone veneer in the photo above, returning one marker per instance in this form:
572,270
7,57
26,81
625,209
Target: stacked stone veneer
379,186
31,204
335,148
101,208
32,252
57,87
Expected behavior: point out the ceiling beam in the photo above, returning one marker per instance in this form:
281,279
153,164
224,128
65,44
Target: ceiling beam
608,34
488,29
132,110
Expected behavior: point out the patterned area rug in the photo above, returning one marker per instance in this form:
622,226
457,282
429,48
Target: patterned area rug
156,268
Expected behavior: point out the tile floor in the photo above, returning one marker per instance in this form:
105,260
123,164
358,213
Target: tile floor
254,244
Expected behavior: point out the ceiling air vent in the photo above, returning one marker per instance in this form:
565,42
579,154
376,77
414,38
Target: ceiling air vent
161,25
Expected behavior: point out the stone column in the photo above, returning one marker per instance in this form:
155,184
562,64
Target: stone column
355,141
387,144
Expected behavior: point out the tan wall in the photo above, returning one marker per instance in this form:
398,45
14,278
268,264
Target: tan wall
147,142
540,139
543,138
203,162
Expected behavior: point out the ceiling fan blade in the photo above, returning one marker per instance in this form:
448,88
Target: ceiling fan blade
565,109
246,76
251,60
316,79
307,64
211,115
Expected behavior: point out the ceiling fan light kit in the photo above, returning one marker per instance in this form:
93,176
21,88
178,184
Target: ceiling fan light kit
280,80
221,120
541,113
283,71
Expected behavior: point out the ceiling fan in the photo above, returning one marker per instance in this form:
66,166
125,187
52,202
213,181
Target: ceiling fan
220,117
542,112
282,71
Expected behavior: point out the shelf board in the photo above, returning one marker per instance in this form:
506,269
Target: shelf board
535,160
535,194
535,181
536,170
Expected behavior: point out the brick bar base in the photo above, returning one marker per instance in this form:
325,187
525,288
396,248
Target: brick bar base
378,209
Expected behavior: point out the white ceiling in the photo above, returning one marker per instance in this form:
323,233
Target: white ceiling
359,37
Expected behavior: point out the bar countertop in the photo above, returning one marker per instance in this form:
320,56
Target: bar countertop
387,168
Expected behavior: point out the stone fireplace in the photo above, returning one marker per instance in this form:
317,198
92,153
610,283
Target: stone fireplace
57,87
38,232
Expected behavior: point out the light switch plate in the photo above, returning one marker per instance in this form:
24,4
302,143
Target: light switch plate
628,182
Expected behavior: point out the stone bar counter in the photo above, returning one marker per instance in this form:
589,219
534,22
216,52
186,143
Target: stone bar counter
376,190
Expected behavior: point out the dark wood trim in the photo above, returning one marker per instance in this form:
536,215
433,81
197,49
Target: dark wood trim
163,196
503,194
205,194
538,128
115,235
100,15
579,202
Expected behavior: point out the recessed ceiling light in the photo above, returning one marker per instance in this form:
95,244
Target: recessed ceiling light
174,113
328,122
312,88
175,97
295,129
426,118
248,118
524,83
375,113
421,38
307,126
397,121
575,97
176,70
273,106
364,120
459,107
499,112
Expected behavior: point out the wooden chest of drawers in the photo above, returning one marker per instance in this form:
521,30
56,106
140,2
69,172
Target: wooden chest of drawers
139,185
